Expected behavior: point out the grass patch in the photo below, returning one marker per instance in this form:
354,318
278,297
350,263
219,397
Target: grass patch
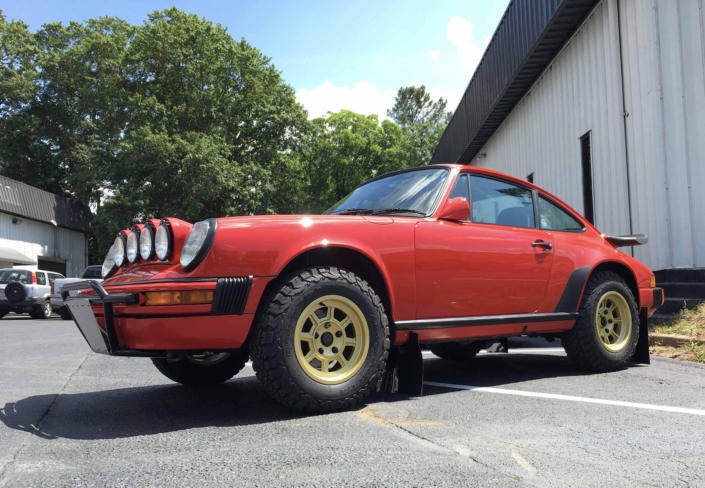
689,323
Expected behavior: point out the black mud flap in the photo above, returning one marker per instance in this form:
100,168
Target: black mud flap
641,355
404,369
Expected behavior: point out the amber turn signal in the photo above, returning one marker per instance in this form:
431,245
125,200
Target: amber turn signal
653,281
177,297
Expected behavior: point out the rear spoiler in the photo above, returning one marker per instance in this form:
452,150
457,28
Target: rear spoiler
626,241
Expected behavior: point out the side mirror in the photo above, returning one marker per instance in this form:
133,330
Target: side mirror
457,209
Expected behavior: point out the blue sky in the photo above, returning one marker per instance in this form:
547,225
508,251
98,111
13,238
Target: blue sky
336,54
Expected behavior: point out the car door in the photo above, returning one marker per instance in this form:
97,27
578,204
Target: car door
497,263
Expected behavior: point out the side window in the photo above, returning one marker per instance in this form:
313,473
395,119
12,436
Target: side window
501,203
41,278
461,188
553,217
53,277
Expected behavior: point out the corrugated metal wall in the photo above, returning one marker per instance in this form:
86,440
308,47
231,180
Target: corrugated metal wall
580,92
663,45
658,79
35,239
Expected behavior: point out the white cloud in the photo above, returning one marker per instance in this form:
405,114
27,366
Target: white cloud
487,41
364,98
459,33
436,55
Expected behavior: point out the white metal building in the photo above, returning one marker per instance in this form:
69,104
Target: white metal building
603,104
39,230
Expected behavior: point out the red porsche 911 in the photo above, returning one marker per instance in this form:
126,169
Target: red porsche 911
332,307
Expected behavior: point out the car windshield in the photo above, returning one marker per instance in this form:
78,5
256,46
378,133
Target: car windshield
411,192
8,275
92,272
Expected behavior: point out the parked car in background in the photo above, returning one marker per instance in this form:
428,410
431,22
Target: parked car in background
57,304
26,291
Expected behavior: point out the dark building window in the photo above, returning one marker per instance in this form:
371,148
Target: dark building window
586,157
530,178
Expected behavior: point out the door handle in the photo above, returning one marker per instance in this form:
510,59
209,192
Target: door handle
543,244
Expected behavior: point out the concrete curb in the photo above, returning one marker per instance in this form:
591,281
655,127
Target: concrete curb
672,340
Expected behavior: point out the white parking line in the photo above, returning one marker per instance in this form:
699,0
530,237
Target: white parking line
502,391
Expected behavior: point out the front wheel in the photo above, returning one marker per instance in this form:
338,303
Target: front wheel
605,336
206,369
321,342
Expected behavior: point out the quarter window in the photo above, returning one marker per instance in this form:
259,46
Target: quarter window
501,203
461,188
552,217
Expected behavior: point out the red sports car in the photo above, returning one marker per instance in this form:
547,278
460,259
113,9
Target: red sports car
331,307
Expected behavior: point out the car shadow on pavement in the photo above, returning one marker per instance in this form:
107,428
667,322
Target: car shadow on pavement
157,409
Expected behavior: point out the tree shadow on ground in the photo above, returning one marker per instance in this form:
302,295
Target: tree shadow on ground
150,410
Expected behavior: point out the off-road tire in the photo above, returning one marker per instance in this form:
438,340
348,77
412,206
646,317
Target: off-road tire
189,373
65,314
272,344
582,343
455,351
44,312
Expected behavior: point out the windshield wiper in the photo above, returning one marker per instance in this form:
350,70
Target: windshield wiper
354,211
398,210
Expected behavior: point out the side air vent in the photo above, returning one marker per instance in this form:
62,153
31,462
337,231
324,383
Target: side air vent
231,295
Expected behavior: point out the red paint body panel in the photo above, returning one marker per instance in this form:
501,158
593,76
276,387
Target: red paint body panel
431,268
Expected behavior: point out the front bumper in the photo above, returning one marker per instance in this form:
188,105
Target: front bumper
119,323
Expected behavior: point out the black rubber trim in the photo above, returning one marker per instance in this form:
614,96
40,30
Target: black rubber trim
658,297
573,291
484,320
231,295
210,237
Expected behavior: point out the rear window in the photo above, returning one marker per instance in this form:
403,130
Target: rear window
8,275
93,272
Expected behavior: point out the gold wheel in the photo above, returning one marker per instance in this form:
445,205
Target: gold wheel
613,321
331,340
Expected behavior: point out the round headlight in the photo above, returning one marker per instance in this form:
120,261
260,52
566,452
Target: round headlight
146,243
132,241
119,251
161,242
197,243
109,265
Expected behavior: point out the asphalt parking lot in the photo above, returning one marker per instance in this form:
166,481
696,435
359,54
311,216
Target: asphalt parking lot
74,418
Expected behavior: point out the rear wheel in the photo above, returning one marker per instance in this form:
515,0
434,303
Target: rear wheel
44,312
455,351
206,369
64,313
321,344
605,336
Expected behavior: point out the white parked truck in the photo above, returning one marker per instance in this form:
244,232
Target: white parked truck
57,303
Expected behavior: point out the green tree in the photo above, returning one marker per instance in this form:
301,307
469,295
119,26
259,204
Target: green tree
343,150
422,121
